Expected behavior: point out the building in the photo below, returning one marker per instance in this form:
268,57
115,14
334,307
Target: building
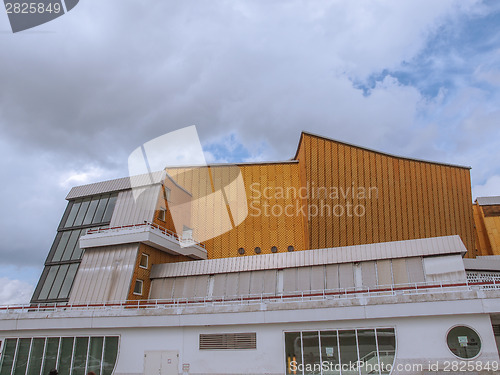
342,255
487,224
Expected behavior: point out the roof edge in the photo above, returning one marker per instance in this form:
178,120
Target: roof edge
376,151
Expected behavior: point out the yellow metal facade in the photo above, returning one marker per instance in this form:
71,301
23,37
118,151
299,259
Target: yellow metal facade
409,199
487,223
391,198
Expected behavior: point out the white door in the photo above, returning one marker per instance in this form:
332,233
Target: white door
161,363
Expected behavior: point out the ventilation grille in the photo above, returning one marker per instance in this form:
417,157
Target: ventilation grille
230,341
496,329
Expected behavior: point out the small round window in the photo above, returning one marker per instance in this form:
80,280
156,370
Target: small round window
464,342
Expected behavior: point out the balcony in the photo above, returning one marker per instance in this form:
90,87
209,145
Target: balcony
146,233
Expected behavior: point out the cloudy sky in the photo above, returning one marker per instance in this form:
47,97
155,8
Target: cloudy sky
77,95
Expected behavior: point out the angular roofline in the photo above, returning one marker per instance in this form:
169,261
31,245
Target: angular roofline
376,151
123,183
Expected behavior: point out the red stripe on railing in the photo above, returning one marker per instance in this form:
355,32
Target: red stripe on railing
148,303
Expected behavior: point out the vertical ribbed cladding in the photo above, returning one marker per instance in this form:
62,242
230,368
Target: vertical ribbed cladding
129,210
416,199
105,274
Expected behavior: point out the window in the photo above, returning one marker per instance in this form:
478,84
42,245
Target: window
464,342
70,355
166,194
138,287
162,214
368,350
144,261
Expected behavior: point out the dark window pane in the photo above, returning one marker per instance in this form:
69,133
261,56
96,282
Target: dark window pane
367,351
56,287
91,211
72,243
77,251
386,348
64,237
293,351
72,214
464,342
110,354
81,212
109,209
100,209
310,347
95,355
36,356
64,367
80,356
23,352
44,293
348,351
8,356
68,281
50,358
330,352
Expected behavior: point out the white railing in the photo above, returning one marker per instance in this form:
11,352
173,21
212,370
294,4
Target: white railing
327,294
147,224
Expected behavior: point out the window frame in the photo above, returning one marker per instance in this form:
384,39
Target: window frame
473,330
162,214
141,282
167,194
144,255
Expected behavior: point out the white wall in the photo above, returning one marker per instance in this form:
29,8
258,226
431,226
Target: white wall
419,340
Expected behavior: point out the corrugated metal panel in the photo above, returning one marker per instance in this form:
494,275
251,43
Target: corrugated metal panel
488,201
201,286
289,280
244,283
332,276
219,285
190,287
317,278
369,274
114,185
304,278
346,275
415,269
483,263
399,271
232,284
269,281
256,282
445,268
105,274
131,211
388,250
384,272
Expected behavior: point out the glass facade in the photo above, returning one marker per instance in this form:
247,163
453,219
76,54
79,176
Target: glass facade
345,352
65,255
70,355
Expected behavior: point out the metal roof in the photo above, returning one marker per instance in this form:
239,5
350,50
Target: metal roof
488,201
347,254
483,263
115,185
